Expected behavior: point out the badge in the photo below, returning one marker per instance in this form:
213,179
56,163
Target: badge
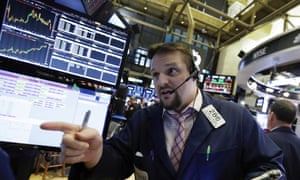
213,116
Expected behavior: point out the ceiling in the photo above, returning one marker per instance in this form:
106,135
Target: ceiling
273,67
164,15
193,15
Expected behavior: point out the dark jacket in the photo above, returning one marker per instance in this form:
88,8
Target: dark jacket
132,108
5,169
289,142
238,150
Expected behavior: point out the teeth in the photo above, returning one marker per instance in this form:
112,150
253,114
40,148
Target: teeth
165,92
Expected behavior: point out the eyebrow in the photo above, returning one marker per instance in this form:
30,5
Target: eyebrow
168,65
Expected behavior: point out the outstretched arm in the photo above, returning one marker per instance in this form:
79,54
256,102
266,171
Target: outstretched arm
78,144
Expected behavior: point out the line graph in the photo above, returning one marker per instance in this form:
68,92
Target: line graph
12,50
34,15
34,19
23,47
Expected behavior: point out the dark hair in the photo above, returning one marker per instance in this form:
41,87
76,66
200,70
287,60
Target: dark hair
185,49
284,110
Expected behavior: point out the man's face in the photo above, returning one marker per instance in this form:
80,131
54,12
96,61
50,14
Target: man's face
168,71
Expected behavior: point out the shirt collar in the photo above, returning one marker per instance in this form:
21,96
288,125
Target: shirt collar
195,104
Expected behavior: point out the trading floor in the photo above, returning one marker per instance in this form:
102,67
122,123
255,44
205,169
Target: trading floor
55,175
85,61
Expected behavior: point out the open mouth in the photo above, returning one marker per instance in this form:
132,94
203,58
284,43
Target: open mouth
165,92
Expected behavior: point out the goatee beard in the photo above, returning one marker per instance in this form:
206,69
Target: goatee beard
174,104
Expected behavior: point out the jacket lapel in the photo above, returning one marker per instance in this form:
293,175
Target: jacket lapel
200,131
158,139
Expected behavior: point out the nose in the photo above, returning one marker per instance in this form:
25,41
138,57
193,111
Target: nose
162,80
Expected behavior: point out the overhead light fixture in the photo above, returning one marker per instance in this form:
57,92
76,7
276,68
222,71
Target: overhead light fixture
269,90
135,80
203,30
286,94
252,85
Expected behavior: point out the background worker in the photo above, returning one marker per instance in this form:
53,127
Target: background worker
281,116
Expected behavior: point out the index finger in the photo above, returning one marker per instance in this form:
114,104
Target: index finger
60,126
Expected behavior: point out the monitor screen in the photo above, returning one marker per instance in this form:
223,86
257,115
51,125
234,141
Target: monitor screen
259,102
28,101
92,6
135,90
49,35
74,4
221,84
149,93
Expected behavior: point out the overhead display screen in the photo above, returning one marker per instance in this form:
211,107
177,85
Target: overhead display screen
46,34
220,84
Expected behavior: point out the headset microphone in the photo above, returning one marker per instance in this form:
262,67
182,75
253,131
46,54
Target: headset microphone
181,84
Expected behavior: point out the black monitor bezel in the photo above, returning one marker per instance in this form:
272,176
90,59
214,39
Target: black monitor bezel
216,92
49,74
77,13
57,76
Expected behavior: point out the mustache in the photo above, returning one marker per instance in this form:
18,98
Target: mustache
164,89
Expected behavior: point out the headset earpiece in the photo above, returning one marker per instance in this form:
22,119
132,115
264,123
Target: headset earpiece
195,74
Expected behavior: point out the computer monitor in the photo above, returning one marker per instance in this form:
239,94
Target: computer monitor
218,84
149,93
259,102
55,65
50,35
92,6
74,4
28,101
135,90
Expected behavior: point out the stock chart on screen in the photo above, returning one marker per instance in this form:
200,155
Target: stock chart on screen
40,33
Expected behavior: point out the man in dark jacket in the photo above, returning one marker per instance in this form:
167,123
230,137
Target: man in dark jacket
281,116
187,136
132,107
5,169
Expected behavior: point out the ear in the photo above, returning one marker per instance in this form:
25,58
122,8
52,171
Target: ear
270,120
273,116
270,114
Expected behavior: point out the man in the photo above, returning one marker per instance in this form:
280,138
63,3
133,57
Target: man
281,116
5,169
133,106
220,139
21,160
